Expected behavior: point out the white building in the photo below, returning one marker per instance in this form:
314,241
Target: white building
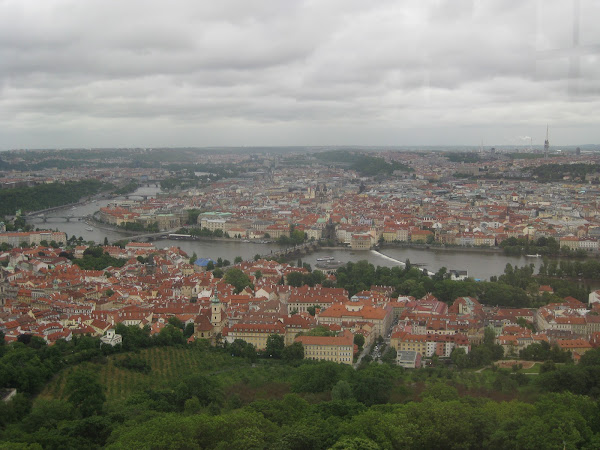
111,338
594,297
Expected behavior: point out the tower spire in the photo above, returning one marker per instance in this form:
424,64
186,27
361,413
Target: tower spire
546,144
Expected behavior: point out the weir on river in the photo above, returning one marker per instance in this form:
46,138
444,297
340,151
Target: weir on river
403,264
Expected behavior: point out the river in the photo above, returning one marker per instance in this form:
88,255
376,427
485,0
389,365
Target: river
478,265
56,219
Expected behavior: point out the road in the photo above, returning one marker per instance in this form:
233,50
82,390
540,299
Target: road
362,355
386,341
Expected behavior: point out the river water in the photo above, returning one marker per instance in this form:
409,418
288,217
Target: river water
56,219
478,265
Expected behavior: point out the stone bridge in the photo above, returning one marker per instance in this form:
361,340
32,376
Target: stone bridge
293,252
62,218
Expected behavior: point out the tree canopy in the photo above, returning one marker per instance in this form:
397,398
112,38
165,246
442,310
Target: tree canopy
237,278
48,195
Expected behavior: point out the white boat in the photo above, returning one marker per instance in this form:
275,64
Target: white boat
537,255
329,265
326,258
89,229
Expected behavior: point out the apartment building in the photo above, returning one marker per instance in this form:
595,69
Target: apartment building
339,349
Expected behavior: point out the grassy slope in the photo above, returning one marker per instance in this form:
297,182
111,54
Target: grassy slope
264,380
168,364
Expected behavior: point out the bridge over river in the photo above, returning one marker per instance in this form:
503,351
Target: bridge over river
42,212
54,219
288,252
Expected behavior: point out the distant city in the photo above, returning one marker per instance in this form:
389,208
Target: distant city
296,258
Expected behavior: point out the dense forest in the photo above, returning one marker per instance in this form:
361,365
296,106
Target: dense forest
158,392
516,288
556,172
523,246
367,166
48,195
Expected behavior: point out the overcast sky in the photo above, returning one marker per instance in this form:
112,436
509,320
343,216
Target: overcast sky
86,73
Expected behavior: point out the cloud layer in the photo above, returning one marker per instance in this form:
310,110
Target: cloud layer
153,73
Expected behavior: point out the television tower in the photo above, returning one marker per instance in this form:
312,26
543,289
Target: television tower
546,144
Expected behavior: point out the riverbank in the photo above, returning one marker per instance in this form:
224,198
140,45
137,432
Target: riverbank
484,250
56,208
104,226
444,248
108,227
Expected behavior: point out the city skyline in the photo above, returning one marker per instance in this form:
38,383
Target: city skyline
141,74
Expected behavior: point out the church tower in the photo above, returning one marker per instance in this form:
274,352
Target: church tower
321,193
216,314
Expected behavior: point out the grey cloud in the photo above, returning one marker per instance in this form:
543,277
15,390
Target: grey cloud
303,69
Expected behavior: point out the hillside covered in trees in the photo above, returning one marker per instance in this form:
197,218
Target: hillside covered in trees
163,393
515,288
47,195
365,165
556,172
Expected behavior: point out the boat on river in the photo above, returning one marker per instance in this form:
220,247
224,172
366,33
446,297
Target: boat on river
89,229
330,265
537,255
326,258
